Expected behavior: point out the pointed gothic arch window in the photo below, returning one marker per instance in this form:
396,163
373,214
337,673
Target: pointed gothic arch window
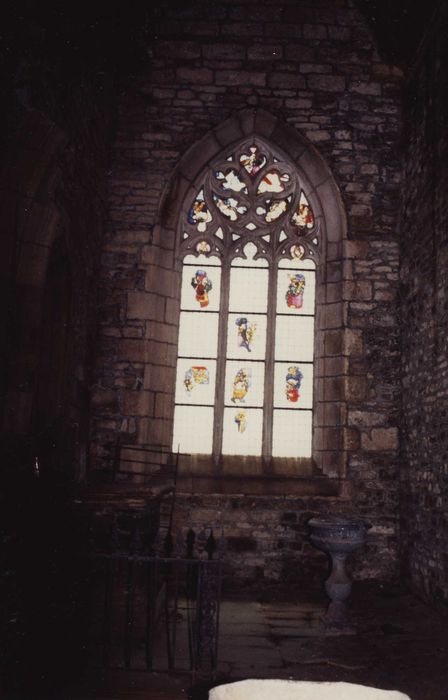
249,243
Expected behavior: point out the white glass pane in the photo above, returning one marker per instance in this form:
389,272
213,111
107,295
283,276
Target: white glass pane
250,250
243,430
295,292
195,381
293,385
246,336
296,264
244,384
193,429
292,433
201,260
248,290
198,334
294,338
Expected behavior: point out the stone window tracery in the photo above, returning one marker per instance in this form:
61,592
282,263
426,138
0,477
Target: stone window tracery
249,243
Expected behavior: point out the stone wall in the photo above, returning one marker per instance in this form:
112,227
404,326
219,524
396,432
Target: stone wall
424,473
314,67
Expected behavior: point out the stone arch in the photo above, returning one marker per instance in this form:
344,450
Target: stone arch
329,443
32,219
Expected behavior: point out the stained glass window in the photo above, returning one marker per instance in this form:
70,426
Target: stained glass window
249,244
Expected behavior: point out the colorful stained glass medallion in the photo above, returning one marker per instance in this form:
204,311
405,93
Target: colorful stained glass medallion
295,291
253,160
272,210
202,285
245,332
230,207
199,214
293,381
203,247
297,252
231,181
303,217
241,421
241,385
273,182
196,375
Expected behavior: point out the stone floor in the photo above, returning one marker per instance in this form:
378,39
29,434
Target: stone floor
400,644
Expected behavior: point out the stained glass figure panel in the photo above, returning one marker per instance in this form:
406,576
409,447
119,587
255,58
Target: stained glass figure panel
198,334
200,288
246,336
273,181
243,430
199,214
231,181
253,160
294,339
303,217
193,429
244,383
293,385
296,289
195,381
230,207
292,433
248,290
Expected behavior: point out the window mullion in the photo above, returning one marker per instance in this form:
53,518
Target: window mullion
269,367
221,363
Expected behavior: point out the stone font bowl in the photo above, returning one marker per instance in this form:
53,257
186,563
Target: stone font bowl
338,533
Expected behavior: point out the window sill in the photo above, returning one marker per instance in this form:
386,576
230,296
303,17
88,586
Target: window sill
258,485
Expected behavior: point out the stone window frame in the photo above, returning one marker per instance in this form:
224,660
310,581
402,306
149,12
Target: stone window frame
330,434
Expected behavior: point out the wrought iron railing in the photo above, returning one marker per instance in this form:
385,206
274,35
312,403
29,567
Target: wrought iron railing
157,611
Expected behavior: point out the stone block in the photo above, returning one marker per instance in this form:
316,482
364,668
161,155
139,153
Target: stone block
240,77
164,405
380,440
359,291
132,350
194,76
353,342
366,419
288,81
161,353
333,342
162,281
105,400
265,52
159,378
333,388
145,306
326,83
328,438
351,439
364,88
224,51
355,388
155,431
161,332
138,403
244,29
356,249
